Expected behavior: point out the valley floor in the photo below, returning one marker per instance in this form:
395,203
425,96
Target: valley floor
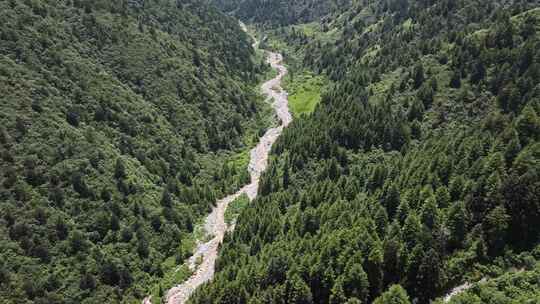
202,262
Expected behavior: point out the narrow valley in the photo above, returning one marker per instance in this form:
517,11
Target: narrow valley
203,261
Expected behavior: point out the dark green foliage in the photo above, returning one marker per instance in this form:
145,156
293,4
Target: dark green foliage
418,76
455,82
420,166
395,295
521,286
279,13
113,116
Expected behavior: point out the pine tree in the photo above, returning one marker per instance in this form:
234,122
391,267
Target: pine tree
356,282
337,295
457,223
496,227
298,291
411,231
418,75
374,268
285,180
430,213
429,276
166,199
528,125
394,295
455,81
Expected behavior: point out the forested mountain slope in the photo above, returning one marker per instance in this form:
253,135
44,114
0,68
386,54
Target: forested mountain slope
520,286
274,13
419,170
112,118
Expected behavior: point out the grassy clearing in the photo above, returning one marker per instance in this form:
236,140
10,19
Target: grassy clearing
304,92
235,208
313,30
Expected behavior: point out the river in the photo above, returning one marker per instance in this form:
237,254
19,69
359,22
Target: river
215,224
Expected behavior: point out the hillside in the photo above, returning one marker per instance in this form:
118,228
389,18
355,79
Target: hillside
520,286
419,169
119,126
273,13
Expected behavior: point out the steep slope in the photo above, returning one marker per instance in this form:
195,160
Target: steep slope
418,170
519,286
116,121
216,224
274,13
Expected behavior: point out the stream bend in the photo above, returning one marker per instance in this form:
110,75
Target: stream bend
215,224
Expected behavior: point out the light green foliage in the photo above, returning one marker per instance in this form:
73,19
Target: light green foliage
174,274
276,13
235,208
512,287
394,295
305,92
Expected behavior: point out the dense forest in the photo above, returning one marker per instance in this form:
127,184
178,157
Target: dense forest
117,121
280,13
418,171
